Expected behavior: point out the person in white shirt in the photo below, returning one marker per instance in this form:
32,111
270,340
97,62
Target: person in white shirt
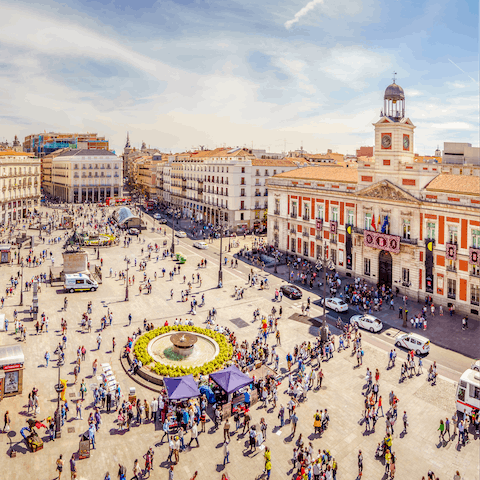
154,409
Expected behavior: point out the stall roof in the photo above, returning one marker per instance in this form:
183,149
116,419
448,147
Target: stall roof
11,354
230,379
5,247
179,388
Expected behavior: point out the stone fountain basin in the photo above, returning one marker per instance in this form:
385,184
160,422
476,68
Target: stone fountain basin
162,350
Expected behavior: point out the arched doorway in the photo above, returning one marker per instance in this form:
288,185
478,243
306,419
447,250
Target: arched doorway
385,268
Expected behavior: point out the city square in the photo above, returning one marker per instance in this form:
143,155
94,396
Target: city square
417,451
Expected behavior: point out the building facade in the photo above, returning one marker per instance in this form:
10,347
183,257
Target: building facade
222,185
42,144
20,185
79,176
409,225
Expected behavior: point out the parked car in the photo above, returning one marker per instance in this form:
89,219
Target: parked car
134,231
413,341
336,304
180,234
162,221
200,245
291,291
157,216
368,322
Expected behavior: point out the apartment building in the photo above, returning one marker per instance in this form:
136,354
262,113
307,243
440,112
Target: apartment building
20,185
79,176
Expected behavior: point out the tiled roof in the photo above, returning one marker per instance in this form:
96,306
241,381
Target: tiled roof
12,153
86,153
447,182
326,172
278,162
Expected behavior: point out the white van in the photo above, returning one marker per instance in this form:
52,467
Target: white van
468,393
79,281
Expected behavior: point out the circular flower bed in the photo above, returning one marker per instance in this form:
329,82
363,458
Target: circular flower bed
224,355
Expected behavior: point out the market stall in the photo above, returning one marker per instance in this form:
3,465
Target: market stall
233,390
181,388
11,370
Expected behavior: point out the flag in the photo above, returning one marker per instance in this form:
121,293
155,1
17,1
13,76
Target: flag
384,226
374,227
62,394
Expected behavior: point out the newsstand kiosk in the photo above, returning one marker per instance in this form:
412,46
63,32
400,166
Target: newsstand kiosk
12,363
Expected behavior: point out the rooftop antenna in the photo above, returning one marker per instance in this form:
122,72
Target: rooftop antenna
394,75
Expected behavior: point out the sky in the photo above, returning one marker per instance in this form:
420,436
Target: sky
274,75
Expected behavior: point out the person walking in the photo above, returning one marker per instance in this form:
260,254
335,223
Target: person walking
226,452
194,434
59,466
360,463
405,422
6,422
441,429
226,431
73,467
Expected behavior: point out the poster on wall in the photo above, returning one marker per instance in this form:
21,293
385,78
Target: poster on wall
11,382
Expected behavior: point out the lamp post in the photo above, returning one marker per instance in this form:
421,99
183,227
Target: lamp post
220,273
324,328
275,256
21,288
126,282
173,232
58,414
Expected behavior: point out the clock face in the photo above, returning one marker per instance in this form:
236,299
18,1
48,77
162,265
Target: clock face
406,142
386,141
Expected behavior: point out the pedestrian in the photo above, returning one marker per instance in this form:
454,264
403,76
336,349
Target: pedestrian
294,420
405,422
59,466
226,431
6,422
73,467
360,463
194,434
441,429
226,452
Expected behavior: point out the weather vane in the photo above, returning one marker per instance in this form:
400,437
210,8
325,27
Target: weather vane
394,74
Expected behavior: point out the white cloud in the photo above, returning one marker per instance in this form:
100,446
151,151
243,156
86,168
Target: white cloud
456,84
411,92
452,126
302,12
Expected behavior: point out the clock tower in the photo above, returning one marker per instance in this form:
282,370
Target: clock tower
393,132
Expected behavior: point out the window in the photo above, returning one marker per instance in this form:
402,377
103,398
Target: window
452,234
384,224
366,266
452,288
406,228
293,242
319,251
277,206
294,209
476,238
475,295
242,181
406,276
226,192
305,249
242,192
306,211
368,222
335,214
320,211
431,226
257,173
266,173
333,256
243,169
222,169
350,217
241,216
274,172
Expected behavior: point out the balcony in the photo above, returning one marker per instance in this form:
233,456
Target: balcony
451,268
472,274
318,237
305,234
199,191
265,194
276,211
409,241
306,217
358,230
293,230
474,302
333,240
452,295
258,194
242,195
275,226
293,215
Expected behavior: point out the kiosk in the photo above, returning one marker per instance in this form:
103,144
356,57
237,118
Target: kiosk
11,370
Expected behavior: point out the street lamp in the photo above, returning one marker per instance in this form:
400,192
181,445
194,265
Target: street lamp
21,288
220,273
58,414
173,232
325,263
275,256
126,282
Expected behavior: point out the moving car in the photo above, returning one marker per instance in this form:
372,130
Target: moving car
162,221
336,304
157,216
413,341
134,231
79,281
180,234
200,245
291,291
368,322
468,392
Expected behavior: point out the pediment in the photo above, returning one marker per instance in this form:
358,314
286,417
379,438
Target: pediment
387,191
407,121
384,120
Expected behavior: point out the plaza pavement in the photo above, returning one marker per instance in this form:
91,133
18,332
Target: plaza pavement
417,451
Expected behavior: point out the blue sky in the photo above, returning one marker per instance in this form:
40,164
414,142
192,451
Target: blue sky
178,74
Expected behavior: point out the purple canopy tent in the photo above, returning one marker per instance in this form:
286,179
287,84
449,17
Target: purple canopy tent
231,379
180,388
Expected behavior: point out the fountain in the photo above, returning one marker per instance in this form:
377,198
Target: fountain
183,349
183,343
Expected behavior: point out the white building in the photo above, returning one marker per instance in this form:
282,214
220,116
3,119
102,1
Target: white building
20,184
80,176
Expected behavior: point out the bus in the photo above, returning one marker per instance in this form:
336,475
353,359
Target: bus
149,205
113,201
468,391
